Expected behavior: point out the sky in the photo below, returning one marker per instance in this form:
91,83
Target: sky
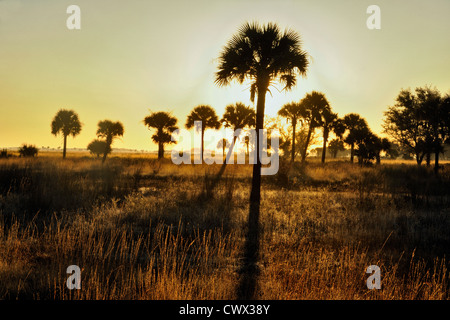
132,57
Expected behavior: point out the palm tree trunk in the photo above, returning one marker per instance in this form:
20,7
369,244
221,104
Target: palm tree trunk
108,148
324,147
249,272
203,146
294,120
160,150
352,152
305,149
64,147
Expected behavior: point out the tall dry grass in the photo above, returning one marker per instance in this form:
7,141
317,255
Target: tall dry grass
140,229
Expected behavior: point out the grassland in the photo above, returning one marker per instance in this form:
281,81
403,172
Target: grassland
146,229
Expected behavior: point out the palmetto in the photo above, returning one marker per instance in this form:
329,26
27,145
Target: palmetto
109,130
165,124
66,122
209,119
238,116
314,105
294,112
357,129
263,55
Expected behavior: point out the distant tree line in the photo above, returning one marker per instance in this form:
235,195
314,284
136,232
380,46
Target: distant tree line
418,125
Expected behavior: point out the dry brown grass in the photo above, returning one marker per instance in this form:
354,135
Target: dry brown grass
143,229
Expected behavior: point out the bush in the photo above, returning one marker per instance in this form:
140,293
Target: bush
98,147
28,151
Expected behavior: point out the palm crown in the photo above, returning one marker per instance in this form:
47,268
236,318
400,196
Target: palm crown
262,54
238,116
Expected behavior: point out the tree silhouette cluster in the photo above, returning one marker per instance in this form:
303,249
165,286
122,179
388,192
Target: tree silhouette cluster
420,122
314,112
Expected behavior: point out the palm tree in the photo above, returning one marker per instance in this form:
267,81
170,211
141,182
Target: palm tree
109,130
209,119
238,116
66,122
330,122
223,144
293,112
356,127
335,146
165,124
263,55
314,105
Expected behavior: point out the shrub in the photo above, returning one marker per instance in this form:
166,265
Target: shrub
28,150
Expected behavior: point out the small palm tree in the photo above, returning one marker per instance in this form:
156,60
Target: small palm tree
330,122
356,127
66,122
292,111
223,144
263,55
314,104
335,146
165,124
207,115
238,116
109,130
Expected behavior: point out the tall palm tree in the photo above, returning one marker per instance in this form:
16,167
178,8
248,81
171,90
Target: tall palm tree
207,115
165,124
294,112
109,130
66,122
356,127
314,105
262,54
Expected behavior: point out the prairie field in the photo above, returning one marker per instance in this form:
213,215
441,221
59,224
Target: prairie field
140,228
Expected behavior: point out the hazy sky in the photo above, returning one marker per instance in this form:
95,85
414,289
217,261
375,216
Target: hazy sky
134,56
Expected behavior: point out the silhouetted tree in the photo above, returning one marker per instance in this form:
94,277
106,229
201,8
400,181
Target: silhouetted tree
98,147
223,144
165,124
237,116
293,112
330,122
207,115
28,151
335,146
109,130
418,122
381,144
314,104
357,129
66,122
261,54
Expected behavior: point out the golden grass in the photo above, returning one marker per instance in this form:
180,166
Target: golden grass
143,229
